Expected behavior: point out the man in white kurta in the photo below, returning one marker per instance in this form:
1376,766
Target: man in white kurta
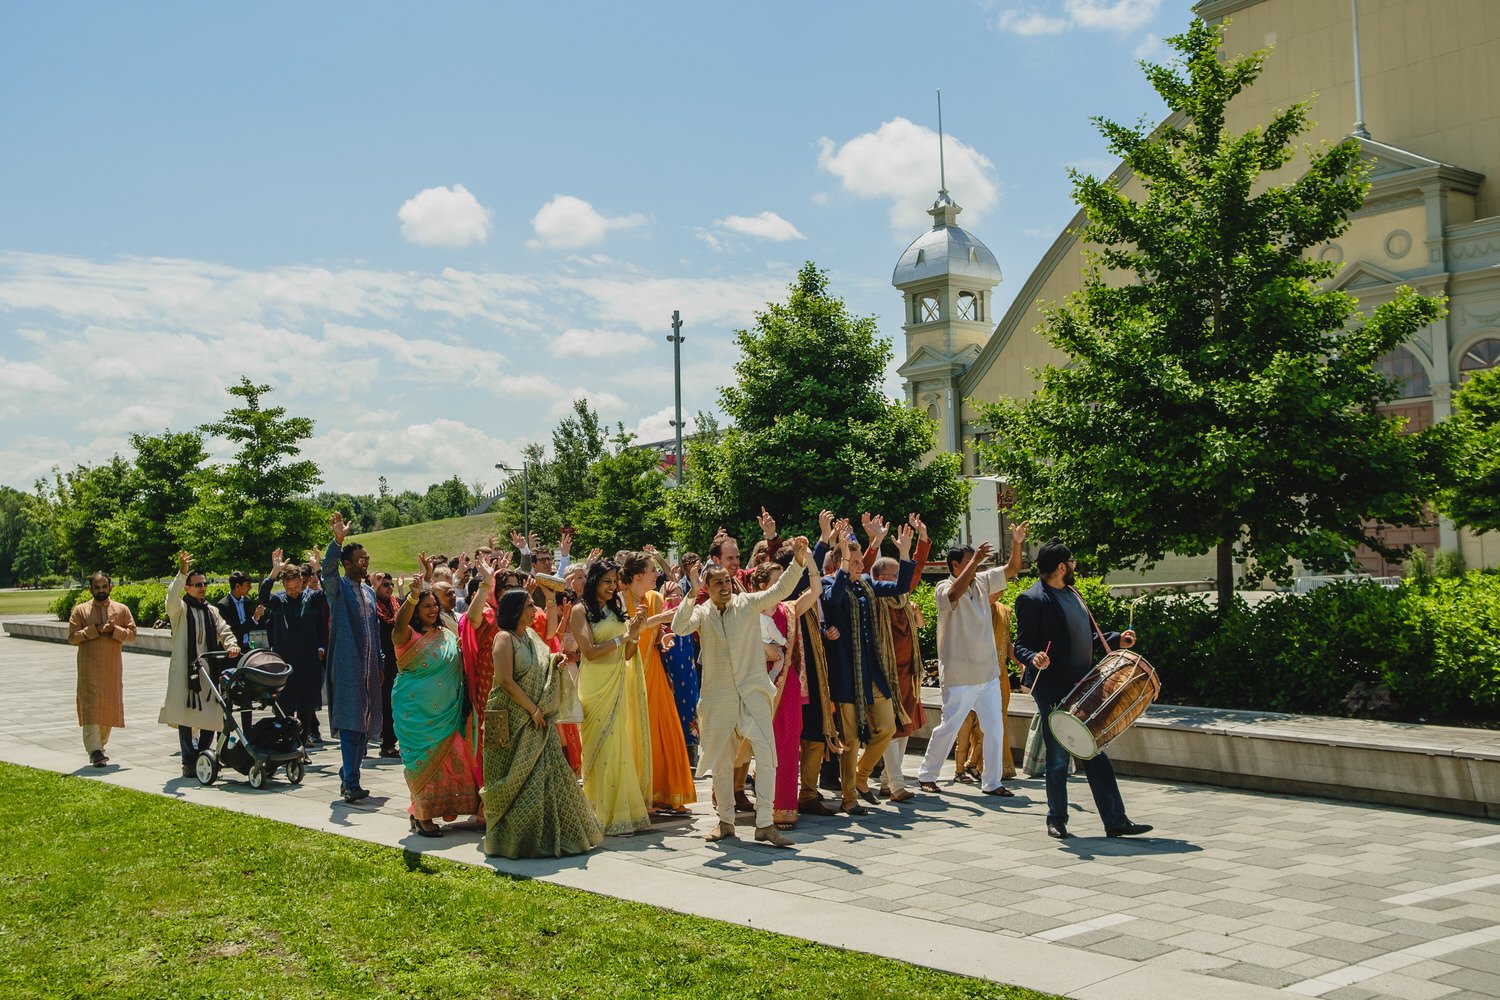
737,694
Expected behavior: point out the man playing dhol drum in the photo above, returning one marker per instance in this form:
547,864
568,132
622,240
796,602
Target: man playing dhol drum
1056,643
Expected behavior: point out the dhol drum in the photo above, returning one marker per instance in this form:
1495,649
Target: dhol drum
1102,705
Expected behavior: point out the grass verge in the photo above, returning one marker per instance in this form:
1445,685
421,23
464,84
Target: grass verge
110,892
395,549
26,602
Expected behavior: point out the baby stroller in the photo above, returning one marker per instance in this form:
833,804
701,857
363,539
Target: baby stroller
254,681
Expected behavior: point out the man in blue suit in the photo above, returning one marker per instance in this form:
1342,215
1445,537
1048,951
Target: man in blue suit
1056,644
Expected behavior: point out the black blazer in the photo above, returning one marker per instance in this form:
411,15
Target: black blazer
1040,620
231,615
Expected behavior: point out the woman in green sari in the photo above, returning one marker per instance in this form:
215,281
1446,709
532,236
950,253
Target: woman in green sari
533,806
427,710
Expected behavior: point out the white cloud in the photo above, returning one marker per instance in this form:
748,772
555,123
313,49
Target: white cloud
899,162
606,404
765,226
566,221
596,344
709,239
1029,22
1153,49
658,426
1095,15
411,456
444,217
1111,15
647,304
820,198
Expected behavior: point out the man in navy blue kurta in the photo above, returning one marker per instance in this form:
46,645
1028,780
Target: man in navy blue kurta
353,653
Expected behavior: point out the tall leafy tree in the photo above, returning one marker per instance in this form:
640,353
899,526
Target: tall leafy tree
812,429
27,547
1217,399
553,485
625,499
1470,442
157,489
81,503
259,501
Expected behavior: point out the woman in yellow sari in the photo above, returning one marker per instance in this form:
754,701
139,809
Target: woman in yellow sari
671,774
612,687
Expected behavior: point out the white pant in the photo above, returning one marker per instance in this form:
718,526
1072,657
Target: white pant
958,702
895,757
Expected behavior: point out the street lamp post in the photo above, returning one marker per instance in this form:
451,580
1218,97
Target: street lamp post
676,339
525,497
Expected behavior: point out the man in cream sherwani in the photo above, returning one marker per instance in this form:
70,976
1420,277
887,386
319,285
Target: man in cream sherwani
737,692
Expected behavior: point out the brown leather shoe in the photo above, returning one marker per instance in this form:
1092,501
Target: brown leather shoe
742,803
816,807
771,835
721,832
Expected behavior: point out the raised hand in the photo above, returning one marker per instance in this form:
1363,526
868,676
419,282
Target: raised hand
633,629
825,525
486,574
184,561
415,586
595,554
536,541
502,561
565,541
799,550
917,523
1018,533
721,533
903,542
340,527
767,523
276,562
984,551
518,540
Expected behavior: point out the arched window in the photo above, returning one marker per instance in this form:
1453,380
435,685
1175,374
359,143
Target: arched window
968,306
1402,367
1482,355
930,311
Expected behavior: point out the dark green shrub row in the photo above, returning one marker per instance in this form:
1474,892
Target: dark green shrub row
146,601
1427,651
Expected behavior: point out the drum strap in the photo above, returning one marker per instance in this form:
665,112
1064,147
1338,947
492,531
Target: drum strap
1097,630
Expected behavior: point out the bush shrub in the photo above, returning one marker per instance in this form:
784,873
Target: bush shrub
147,601
1424,651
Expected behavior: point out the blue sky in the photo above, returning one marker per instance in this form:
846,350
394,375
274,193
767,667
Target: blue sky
432,226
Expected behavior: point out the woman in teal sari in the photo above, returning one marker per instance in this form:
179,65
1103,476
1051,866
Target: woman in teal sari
533,806
427,709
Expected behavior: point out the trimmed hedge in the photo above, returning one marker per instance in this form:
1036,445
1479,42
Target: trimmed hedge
146,601
1422,652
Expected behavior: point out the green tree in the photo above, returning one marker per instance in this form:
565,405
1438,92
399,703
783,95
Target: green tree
625,500
1470,446
258,502
82,502
35,556
1217,400
27,548
449,498
812,429
158,488
554,485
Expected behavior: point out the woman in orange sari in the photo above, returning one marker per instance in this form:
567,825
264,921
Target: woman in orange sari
671,774
427,703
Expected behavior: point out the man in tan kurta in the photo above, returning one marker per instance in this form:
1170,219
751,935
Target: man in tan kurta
737,692
99,628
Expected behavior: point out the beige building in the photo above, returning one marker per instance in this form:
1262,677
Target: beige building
1430,95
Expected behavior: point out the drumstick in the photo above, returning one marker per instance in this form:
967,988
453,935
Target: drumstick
1131,626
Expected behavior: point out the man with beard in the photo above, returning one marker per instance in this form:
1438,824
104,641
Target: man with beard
99,628
299,635
1057,640
354,659
197,628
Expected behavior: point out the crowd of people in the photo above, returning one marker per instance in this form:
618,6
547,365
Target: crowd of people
557,702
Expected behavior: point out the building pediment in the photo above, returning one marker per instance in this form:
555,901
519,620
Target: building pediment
1362,274
930,363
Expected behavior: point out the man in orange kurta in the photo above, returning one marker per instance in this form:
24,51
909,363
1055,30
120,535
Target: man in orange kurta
99,628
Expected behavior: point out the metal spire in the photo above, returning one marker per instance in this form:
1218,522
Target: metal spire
942,167
1359,93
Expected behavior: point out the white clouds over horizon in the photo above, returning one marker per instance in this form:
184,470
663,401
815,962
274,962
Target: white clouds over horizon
444,217
98,349
765,226
567,222
899,162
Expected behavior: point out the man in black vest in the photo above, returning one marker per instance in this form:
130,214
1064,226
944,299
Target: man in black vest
1056,645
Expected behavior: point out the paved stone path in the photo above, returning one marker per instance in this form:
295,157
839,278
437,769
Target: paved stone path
1236,894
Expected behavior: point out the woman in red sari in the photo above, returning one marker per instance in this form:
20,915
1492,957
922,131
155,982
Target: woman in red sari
784,662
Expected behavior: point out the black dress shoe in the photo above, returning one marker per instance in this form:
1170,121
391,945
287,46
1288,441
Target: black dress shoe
98,759
816,807
1002,791
870,797
1128,830
423,831
353,793
1057,831
855,809
390,751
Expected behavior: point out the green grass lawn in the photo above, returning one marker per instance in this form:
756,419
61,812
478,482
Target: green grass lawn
26,602
110,892
395,549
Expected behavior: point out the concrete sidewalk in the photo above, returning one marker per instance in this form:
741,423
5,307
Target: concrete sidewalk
1236,895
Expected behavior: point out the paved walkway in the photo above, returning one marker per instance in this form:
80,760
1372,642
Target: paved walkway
1236,895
